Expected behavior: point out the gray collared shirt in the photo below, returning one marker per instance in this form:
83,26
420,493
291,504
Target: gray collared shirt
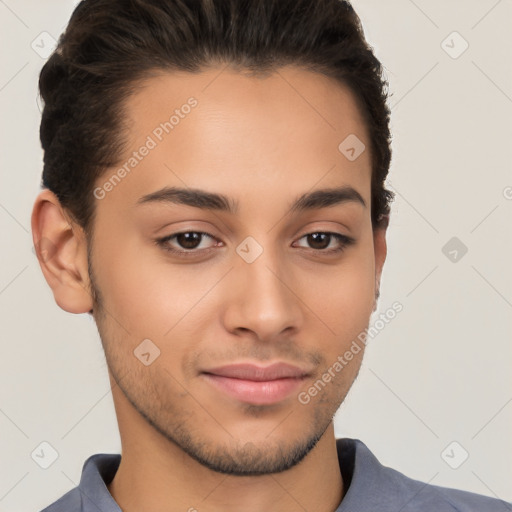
371,487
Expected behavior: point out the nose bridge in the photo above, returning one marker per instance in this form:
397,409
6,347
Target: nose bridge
263,299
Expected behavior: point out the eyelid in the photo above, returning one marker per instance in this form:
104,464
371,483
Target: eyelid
339,236
163,242
344,242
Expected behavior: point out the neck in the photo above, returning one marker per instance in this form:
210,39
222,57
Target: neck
157,476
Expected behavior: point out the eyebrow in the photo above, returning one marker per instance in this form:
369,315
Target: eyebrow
197,198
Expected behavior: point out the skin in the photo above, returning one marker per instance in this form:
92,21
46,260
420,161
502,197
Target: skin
263,143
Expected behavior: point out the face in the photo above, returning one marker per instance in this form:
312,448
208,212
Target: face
188,283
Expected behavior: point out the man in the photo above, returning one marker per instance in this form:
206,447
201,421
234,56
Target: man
214,196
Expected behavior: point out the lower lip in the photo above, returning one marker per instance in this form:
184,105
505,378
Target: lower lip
255,392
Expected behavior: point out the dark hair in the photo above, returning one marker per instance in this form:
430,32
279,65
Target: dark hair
110,46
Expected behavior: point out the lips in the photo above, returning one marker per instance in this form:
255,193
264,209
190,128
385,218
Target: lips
254,384
257,373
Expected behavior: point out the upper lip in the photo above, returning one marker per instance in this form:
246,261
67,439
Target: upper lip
248,371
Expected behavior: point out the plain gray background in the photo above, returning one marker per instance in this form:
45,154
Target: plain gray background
435,385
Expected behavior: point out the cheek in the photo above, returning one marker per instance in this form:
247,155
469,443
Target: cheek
148,295
343,295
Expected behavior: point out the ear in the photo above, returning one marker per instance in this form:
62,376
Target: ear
61,249
380,248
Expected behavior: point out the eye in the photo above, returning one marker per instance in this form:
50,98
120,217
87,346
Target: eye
321,240
187,240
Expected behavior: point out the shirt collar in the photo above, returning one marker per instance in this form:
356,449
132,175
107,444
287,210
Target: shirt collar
97,473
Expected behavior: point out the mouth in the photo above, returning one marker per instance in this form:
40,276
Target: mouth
257,385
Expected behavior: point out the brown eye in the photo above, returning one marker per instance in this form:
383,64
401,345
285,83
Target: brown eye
320,241
186,242
189,240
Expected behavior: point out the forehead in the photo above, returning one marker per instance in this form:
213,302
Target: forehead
221,128
224,94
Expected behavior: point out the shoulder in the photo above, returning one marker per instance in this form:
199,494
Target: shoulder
465,501
421,496
373,486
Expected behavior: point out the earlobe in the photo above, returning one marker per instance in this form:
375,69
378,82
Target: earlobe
61,250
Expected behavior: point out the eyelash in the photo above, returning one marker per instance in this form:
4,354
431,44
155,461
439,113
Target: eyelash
344,241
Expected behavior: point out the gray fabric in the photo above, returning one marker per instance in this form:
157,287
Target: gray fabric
372,487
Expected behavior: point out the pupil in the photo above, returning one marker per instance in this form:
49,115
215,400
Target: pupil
189,240
314,238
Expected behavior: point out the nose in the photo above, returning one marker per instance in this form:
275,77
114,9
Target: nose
263,298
